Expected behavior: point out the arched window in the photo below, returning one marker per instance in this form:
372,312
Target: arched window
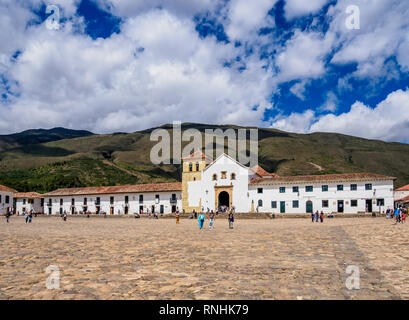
233,176
214,177
260,203
197,166
190,166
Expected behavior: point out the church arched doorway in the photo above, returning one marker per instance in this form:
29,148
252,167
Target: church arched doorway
224,199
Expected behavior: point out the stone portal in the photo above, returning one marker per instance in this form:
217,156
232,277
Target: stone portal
223,196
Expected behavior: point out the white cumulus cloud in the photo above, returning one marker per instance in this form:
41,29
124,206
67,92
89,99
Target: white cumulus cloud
389,120
297,8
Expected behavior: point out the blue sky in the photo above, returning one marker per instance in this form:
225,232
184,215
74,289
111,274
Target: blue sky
122,65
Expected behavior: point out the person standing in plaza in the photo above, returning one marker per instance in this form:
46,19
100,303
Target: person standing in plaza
316,216
312,217
211,219
231,220
396,215
201,218
322,216
30,217
403,215
177,216
8,216
26,217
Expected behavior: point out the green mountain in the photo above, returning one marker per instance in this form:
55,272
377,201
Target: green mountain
44,160
36,136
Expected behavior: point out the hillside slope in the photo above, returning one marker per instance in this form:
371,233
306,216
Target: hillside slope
36,136
125,158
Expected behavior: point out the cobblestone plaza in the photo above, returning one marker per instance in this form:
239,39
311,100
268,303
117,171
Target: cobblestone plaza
126,258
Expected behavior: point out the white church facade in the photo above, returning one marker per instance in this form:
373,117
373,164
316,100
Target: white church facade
225,182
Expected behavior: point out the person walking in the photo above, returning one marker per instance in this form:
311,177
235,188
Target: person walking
201,218
316,216
30,217
322,216
403,215
397,215
26,217
8,216
231,220
312,217
211,219
177,216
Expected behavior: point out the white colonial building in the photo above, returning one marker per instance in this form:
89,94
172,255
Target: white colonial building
29,202
402,192
128,199
6,199
335,193
225,182
402,195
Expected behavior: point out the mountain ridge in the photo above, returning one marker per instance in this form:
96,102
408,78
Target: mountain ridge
43,160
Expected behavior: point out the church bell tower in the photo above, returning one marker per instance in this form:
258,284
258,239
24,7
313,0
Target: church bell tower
192,167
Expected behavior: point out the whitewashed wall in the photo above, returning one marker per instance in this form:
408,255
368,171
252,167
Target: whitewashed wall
380,190
401,194
4,204
119,203
36,205
240,185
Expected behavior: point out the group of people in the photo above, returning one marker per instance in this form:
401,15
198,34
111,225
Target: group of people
317,216
223,209
201,218
399,214
28,217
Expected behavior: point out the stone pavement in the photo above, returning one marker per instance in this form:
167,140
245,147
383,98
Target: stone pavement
157,259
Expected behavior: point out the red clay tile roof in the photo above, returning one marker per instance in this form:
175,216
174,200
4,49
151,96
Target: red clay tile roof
263,173
30,195
404,188
137,188
7,189
197,155
327,177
